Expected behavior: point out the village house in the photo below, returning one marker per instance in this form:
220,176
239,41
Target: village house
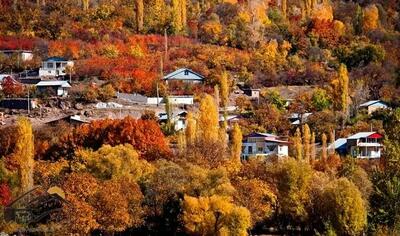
372,106
252,93
360,145
184,75
54,67
53,87
23,55
263,145
178,120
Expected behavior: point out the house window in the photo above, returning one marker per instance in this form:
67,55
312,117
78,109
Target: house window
260,149
250,150
50,65
186,72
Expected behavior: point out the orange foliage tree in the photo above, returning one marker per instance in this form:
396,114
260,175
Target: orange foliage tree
144,135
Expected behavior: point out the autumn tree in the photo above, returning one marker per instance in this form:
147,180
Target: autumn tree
11,87
119,162
293,184
24,154
306,142
207,123
139,11
224,89
297,142
190,129
214,215
344,207
261,204
370,18
324,151
236,143
313,147
118,205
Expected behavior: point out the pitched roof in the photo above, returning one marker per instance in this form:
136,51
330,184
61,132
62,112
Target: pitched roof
363,135
258,134
372,102
49,83
339,143
173,75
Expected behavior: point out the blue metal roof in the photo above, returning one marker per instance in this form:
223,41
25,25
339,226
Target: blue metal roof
57,59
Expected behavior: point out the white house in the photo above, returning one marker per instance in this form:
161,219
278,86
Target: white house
54,87
179,119
360,145
185,75
373,105
263,144
55,66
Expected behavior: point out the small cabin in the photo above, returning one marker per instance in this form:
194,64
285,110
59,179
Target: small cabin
372,106
54,87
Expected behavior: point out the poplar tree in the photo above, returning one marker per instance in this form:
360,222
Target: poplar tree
24,154
284,9
177,24
344,87
331,142
224,89
208,119
312,151
85,5
306,141
236,143
298,145
139,7
190,129
324,154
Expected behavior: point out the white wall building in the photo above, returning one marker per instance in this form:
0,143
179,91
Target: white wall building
262,144
374,105
54,67
54,87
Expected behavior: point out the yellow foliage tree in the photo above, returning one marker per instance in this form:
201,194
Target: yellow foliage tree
224,89
214,215
207,124
190,129
298,144
24,154
139,7
312,151
236,143
343,79
324,154
306,142
117,162
371,18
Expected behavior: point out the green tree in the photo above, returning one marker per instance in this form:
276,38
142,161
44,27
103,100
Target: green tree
320,100
358,20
